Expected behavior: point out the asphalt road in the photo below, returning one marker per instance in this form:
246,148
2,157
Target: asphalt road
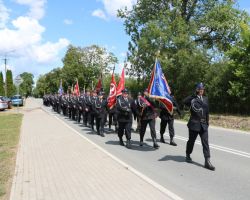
230,154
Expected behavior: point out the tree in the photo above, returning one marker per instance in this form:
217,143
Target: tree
41,86
27,84
239,67
191,35
9,84
86,64
1,84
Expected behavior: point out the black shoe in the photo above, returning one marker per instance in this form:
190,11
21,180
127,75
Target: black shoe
208,164
102,134
128,145
141,143
121,142
162,140
172,142
156,146
188,158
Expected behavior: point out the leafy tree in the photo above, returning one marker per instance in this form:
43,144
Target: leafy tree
239,66
191,35
27,84
1,84
9,84
86,64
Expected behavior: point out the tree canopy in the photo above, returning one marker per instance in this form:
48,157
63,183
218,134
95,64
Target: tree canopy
192,39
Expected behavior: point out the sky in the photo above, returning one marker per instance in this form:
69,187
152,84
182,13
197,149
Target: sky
34,34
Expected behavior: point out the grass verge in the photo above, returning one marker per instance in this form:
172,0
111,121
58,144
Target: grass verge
227,121
9,136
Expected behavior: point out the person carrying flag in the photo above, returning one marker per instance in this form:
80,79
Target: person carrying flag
148,115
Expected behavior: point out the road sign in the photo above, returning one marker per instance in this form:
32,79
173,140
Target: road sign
18,80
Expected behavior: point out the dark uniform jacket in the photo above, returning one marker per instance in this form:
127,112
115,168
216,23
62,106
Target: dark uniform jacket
100,107
147,112
124,109
199,112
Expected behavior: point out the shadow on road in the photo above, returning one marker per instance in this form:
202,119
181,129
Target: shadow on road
178,159
134,145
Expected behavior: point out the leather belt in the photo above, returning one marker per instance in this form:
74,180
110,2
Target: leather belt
203,121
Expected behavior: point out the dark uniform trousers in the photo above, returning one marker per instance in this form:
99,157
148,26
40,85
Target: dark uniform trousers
124,126
170,124
144,124
112,118
204,140
100,121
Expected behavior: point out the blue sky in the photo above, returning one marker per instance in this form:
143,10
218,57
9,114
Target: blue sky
34,34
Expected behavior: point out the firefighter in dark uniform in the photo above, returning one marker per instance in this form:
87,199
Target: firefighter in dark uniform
100,110
137,109
167,118
148,116
64,105
113,117
87,108
124,117
92,109
198,124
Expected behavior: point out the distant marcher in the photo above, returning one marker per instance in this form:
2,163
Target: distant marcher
198,124
167,118
124,117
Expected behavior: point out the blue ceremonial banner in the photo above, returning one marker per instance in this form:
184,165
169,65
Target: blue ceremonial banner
158,87
60,90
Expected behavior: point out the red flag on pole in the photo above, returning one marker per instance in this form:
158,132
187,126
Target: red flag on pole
121,84
76,89
112,93
99,85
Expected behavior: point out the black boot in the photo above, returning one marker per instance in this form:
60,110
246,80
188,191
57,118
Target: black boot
172,142
141,143
128,145
188,158
208,164
102,134
162,140
121,142
156,146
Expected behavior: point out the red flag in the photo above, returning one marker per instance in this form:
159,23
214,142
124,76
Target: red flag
121,84
76,89
112,93
99,85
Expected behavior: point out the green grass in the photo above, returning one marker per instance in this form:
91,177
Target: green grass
9,136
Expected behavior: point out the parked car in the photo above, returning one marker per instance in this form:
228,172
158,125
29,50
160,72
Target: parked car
17,100
8,100
3,103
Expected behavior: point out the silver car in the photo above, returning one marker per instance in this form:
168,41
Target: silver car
3,103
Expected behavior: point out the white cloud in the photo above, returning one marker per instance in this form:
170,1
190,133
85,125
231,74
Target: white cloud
48,52
67,21
36,7
99,13
112,6
24,43
4,14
